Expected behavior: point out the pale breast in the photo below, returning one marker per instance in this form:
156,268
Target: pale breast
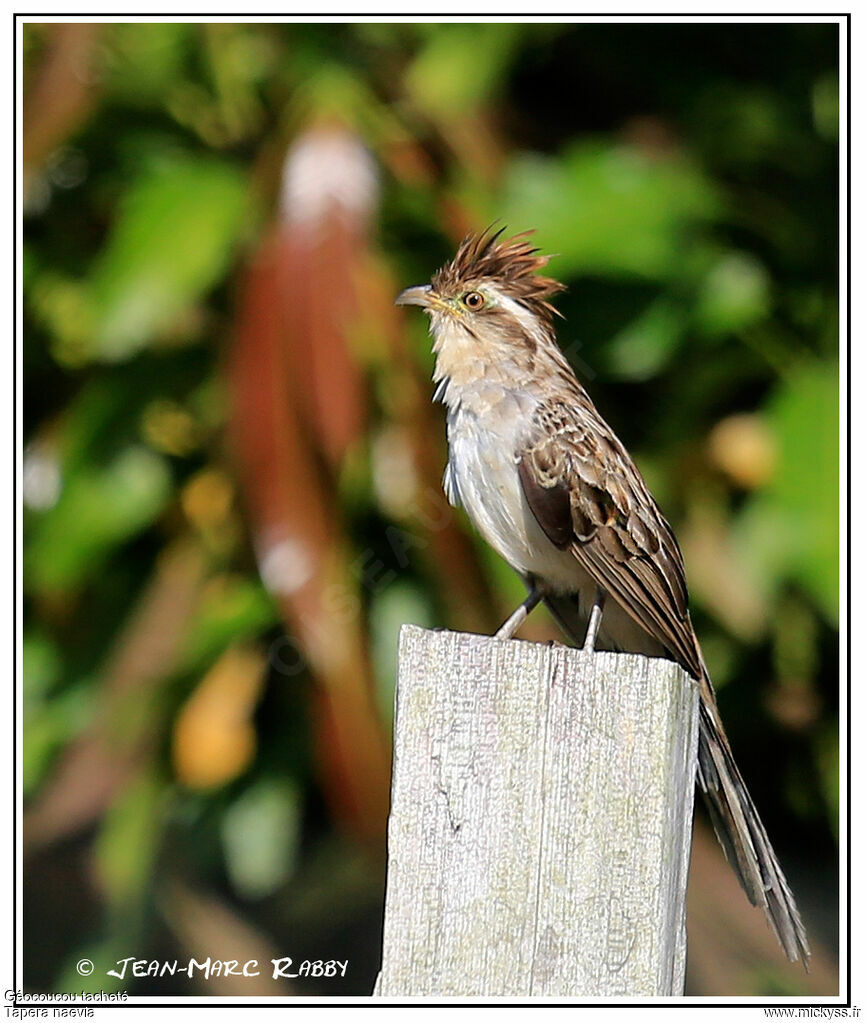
483,472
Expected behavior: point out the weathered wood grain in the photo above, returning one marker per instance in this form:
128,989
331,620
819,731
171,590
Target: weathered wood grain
540,822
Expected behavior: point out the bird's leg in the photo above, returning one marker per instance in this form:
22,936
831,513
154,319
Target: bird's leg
594,621
535,594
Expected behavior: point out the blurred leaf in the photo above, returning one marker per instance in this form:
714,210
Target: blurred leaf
97,510
790,530
171,242
825,106
260,832
49,727
41,663
805,416
143,61
90,423
644,347
741,123
734,294
460,65
721,655
763,541
232,608
396,605
62,306
609,208
795,640
330,93
129,838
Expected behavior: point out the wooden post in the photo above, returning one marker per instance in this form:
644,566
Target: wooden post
540,826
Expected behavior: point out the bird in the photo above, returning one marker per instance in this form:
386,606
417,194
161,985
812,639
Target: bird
554,492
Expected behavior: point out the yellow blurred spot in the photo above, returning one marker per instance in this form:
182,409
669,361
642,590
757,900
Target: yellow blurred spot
718,574
742,447
207,498
214,739
219,591
168,427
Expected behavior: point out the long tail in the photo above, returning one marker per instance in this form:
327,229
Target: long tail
742,834
735,818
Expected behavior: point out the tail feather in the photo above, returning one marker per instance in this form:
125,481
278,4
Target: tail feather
742,834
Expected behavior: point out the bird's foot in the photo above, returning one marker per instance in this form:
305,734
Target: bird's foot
520,615
594,622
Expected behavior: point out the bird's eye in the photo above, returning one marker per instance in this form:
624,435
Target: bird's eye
473,300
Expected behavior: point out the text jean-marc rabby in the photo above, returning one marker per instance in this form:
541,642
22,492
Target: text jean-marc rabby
277,969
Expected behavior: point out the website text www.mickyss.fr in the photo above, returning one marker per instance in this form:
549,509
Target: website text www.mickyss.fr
812,1012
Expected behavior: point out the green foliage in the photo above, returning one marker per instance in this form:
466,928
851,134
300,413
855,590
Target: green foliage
801,499
171,242
143,66
459,66
97,510
734,294
610,209
399,604
128,841
643,347
261,831
238,608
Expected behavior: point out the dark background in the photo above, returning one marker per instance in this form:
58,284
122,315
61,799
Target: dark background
218,391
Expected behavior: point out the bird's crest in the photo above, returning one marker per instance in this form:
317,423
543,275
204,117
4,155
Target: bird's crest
510,264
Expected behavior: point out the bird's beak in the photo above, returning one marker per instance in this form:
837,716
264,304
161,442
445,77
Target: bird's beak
418,295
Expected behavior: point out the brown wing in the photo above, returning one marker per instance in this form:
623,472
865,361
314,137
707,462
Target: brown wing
588,496
575,471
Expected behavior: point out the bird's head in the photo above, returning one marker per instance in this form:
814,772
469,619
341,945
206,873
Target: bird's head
489,299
